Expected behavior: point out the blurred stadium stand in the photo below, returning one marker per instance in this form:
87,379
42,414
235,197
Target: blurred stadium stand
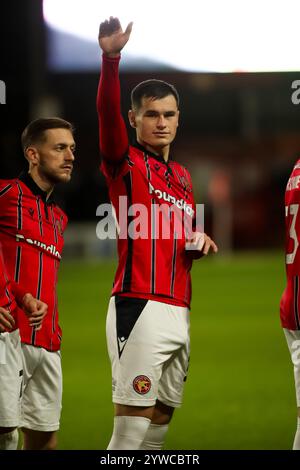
242,125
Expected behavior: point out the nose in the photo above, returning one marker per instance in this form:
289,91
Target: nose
69,155
161,122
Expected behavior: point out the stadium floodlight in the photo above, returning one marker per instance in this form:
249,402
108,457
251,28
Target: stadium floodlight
218,36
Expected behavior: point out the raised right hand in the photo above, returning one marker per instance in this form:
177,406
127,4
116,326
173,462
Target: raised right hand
111,38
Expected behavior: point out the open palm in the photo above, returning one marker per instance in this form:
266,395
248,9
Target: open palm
112,39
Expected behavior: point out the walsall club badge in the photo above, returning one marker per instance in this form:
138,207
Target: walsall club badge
141,384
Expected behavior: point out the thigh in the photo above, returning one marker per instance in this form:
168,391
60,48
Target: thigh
293,341
42,396
11,376
174,373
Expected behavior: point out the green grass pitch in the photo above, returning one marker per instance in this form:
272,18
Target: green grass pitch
240,390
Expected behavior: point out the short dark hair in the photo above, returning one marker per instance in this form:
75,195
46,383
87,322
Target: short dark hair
35,131
156,89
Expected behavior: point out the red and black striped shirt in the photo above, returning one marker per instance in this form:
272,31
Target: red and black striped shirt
31,233
10,292
151,267
290,300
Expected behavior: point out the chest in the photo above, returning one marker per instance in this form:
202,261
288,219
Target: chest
162,181
35,219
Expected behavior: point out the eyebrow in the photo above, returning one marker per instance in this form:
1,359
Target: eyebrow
63,144
153,111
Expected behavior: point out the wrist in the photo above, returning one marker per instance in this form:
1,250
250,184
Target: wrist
112,55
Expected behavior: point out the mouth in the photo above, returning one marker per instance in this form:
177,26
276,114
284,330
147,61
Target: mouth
161,134
67,167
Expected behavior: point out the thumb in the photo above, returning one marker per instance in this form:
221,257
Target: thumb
129,28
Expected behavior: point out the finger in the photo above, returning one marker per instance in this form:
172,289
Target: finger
6,323
36,317
4,314
3,310
35,323
115,23
109,27
207,245
40,312
104,29
215,247
129,28
206,248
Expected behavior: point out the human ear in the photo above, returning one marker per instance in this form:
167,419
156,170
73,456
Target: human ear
32,155
131,117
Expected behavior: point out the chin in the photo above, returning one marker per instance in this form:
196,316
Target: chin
66,178
63,179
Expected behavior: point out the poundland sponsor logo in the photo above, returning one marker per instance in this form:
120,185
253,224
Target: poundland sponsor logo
50,248
180,203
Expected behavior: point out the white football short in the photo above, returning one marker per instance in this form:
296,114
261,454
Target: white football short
149,346
42,393
293,341
11,376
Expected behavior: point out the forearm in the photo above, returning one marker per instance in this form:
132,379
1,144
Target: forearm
112,129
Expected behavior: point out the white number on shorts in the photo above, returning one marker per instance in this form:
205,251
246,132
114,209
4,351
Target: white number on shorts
292,210
296,353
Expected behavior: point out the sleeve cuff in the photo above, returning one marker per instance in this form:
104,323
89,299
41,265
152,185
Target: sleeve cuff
18,292
105,58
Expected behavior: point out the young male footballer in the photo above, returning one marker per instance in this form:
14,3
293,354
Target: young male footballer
31,233
148,315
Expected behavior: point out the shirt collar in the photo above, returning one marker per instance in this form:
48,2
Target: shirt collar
34,188
151,154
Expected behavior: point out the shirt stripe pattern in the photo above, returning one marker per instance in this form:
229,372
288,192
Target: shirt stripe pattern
38,204
153,246
18,264
19,208
5,190
146,160
128,268
173,275
296,301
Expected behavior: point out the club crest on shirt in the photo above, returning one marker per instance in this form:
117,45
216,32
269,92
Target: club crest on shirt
141,384
185,183
31,212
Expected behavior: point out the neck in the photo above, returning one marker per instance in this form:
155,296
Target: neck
162,152
41,181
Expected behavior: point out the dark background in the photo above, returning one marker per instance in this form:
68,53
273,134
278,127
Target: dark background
238,133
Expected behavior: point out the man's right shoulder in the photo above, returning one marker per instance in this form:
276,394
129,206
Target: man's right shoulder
7,185
129,160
